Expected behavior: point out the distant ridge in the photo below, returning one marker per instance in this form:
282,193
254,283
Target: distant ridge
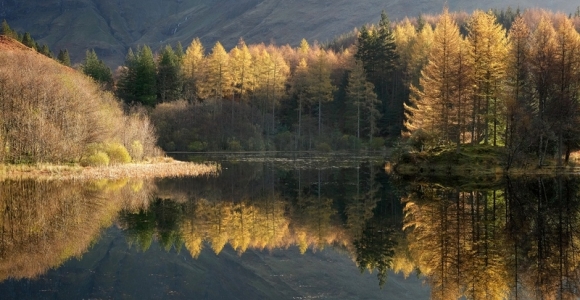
112,26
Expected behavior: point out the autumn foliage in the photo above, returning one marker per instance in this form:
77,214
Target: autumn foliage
52,113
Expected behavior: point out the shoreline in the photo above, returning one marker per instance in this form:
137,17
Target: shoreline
142,170
474,170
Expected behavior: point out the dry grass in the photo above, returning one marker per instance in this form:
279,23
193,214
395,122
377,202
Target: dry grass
152,168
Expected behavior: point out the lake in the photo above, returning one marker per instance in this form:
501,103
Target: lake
308,227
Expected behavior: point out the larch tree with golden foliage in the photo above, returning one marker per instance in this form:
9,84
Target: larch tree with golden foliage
321,89
488,49
219,81
361,95
299,89
433,105
519,110
543,75
564,110
194,72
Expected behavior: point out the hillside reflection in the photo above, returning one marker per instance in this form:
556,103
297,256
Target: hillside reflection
44,223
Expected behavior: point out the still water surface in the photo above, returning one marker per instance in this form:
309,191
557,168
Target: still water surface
291,229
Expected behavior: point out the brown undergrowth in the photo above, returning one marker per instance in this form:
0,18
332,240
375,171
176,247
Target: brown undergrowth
157,168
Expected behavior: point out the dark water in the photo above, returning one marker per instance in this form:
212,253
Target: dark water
291,229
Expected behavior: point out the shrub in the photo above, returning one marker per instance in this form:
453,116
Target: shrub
323,147
197,146
377,144
97,159
136,151
422,140
118,154
285,141
234,145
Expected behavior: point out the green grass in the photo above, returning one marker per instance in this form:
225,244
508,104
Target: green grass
469,160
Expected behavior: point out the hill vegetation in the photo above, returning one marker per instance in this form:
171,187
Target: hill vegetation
52,113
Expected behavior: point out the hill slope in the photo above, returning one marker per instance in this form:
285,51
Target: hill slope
112,26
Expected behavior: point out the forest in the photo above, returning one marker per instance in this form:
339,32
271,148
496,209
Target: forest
506,78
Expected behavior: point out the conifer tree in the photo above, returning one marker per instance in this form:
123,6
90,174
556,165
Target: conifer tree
7,31
377,50
300,85
137,82
219,81
278,73
518,97
28,41
321,89
63,57
168,75
405,36
543,75
179,51
146,92
44,50
240,65
434,106
194,72
94,67
361,95
304,48
125,87
563,110
419,54
488,50
241,60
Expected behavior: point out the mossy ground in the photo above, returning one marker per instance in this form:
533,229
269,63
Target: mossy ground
472,161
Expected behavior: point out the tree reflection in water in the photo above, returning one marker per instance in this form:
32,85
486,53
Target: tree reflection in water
518,239
352,209
44,223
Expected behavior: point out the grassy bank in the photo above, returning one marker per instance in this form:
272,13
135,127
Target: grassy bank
161,167
471,161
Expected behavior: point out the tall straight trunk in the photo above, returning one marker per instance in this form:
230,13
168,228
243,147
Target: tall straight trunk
319,115
274,104
298,140
358,120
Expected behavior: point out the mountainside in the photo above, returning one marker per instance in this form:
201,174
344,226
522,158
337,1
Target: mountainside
112,26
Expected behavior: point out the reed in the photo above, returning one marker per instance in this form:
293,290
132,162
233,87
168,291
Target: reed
150,169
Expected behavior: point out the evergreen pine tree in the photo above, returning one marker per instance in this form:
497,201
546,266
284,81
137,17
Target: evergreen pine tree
28,41
94,67
145,80
168,75
7,31
64,58
44,50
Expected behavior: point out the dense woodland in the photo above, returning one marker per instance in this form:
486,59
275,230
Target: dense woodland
502,78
